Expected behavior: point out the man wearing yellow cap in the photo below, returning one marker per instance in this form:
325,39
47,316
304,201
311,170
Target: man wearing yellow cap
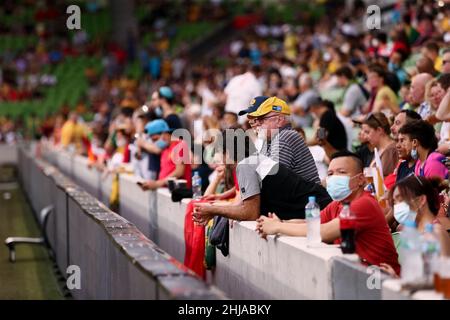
271,116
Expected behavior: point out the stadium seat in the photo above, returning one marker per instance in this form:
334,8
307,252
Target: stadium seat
11,242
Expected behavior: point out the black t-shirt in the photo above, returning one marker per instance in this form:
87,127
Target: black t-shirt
281,190
365,155
173,121
404,170
154,162
337,136
286,193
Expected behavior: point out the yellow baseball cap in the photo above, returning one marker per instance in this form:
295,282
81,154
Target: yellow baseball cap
272,104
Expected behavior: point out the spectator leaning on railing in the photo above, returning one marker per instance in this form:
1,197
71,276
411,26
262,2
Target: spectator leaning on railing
265,186
145,163
175,156
345,184
283,143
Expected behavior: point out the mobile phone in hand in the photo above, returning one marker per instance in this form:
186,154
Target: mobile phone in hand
322,134
140,183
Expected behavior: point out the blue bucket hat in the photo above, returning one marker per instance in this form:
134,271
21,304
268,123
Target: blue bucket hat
156,127
166,92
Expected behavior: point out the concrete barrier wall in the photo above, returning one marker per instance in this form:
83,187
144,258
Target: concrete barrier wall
138,206
277,268
61,238
171,224
115,259
90,179
353,281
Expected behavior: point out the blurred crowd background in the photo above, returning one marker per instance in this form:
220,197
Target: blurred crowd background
196,64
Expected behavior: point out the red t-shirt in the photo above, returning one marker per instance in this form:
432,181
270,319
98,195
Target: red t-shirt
171,156
374,241
236,183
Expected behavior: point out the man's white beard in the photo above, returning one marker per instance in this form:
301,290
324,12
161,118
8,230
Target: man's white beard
260,140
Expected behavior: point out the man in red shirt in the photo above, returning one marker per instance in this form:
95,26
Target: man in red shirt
374,243
175,157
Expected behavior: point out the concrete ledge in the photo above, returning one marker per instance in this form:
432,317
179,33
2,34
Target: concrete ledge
137,206
276,268
354,281
116,260
171,224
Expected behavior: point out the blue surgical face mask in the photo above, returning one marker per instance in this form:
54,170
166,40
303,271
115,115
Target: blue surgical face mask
403,213
159,112
161,144
414,154
392,66
338,187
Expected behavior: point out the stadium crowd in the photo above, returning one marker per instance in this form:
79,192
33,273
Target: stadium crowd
322,104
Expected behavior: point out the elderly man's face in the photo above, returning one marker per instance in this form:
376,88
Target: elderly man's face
253,122
269,122
416,92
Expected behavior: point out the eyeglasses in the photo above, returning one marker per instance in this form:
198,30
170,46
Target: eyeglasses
261,120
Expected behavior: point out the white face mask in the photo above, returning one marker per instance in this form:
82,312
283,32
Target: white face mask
403,213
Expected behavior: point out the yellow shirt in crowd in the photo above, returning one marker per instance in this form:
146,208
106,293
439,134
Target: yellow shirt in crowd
72,132
386,95
438,64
